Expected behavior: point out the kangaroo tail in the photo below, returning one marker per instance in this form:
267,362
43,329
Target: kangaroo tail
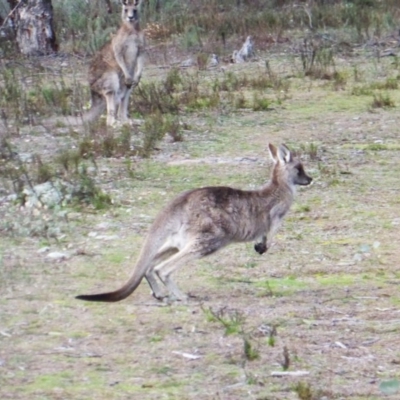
155,247
97,108
146,259
117,295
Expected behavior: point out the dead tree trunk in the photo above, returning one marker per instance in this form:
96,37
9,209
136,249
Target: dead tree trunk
33,24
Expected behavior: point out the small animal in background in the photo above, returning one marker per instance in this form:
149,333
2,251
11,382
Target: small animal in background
213,61
236,58
202,221
189,62
117,67
246,53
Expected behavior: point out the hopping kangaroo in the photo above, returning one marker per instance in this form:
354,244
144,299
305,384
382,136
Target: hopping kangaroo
116,69
201,221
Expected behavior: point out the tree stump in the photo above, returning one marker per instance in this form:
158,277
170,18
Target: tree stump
33,24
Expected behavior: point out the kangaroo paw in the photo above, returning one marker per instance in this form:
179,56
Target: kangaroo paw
159,296
260,248
172,299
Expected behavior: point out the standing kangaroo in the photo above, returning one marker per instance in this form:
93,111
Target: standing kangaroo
113,72
117,67
201,221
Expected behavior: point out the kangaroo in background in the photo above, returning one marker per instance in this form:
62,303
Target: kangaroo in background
117,67
114,71
201,221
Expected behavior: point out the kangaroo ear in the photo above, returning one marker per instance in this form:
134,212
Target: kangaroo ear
284,154
273,152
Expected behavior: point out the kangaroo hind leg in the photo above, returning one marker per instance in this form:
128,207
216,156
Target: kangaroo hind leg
123,105
156,289
191,251
152,277
166,267
112,105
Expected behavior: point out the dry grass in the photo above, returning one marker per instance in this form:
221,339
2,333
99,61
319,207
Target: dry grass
328,288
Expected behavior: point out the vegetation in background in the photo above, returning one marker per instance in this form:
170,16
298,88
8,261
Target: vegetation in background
83,26
222,19
203,27
69,165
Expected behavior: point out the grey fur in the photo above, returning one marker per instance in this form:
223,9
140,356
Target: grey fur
201,221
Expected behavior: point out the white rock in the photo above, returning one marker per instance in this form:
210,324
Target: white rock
56,255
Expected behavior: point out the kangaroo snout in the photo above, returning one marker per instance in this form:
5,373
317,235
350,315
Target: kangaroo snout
133,16
308,180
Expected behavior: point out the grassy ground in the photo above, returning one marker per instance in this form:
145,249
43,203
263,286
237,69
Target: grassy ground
324,299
